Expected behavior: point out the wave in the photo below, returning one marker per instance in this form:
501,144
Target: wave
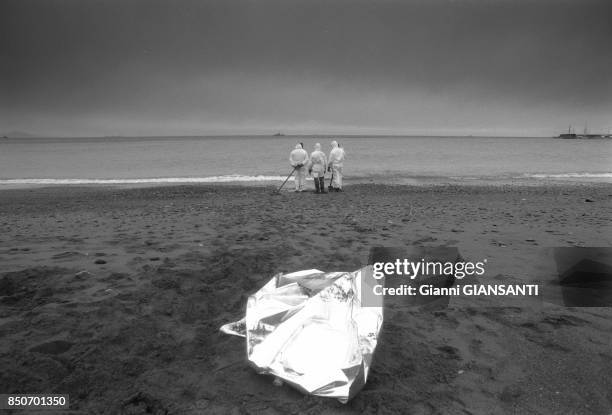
161,180
237,178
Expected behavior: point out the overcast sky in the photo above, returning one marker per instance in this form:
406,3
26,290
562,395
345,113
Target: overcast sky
500,67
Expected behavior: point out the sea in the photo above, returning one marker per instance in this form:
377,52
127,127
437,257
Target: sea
264,160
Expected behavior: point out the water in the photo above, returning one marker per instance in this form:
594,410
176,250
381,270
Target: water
264,159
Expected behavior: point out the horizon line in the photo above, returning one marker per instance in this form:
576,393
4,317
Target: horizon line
30,136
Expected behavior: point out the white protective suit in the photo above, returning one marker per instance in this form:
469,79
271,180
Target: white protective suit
336,160
318,162
298,159
318,165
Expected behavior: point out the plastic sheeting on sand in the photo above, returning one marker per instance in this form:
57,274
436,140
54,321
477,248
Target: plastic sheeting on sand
309,329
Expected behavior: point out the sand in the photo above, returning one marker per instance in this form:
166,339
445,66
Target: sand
115,297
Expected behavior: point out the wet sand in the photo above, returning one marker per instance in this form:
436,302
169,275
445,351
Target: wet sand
115,297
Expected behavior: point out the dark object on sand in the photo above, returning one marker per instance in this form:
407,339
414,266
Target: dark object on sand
585,276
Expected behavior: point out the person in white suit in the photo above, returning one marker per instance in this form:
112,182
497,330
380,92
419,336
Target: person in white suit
298,159
318,165
336,162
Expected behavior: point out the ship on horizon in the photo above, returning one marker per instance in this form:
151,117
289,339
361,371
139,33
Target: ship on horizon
571,134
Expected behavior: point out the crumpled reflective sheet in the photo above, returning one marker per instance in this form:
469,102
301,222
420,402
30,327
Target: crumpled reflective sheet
309,329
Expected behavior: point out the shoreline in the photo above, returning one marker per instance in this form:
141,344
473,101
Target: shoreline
423,181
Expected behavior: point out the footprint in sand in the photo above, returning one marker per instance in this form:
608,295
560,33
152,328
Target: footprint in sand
53,347
67,255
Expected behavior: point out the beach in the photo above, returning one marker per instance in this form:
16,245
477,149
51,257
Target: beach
115,296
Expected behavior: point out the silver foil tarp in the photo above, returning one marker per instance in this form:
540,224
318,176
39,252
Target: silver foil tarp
309,329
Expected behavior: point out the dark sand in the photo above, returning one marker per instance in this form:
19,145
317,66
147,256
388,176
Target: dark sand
116,296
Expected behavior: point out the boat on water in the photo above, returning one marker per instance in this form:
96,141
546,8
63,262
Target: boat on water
584,136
